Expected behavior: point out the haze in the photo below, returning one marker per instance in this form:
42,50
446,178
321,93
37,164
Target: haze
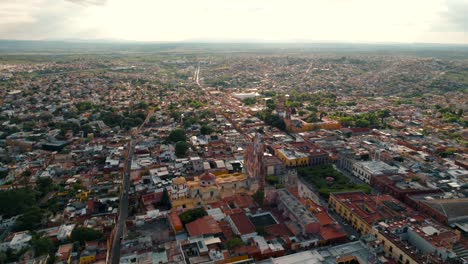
427,21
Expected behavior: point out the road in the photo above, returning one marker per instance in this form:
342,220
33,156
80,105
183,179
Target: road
123,205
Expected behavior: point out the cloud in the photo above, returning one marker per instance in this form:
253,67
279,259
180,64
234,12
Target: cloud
43,19
88,2
163,20
454,18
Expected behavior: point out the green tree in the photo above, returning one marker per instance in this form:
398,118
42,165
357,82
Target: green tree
82,234
177,135
16,201
270,104
192,215
30,220
181,148
44,185
322,114
259,197
234,243
206,130
383,114
42,246
165,201
272,179
250,101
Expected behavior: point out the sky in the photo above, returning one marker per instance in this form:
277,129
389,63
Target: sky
404,21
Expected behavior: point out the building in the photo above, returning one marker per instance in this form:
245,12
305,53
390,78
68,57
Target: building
407,236
353,252
365,170
206,188
206,226
452,212
292,158
197,164
363,211
16,241
253,163
63,254
273,166
400,186
297,212
242,226
412,242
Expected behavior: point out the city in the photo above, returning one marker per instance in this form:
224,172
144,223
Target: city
234,132
249,157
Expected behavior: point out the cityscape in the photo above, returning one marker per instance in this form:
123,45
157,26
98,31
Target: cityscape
202,143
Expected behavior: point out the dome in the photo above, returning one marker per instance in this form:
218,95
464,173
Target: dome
179,180
207,176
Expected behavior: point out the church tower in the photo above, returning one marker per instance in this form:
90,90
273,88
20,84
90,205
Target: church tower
253,163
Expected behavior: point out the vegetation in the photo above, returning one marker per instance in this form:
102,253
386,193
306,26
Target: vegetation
16,201
192,215
206,130
328,180
370,119
259,197
250,101
272,179
165,202
177,135
181,148
234,243
82,234
30,219
272,119
42,246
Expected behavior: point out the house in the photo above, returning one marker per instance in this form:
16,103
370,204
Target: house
242,226
204,227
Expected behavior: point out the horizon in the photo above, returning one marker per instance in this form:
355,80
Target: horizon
262,21
235,41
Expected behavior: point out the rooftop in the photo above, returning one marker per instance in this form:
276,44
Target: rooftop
206,225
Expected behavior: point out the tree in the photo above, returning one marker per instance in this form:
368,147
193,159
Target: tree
177,135
82,234
165,201
44,185
192,215
322,114
272,179
250,101
181,148
258,197
234,243
383,114
16,201
42,246
206,130
270,104
30,220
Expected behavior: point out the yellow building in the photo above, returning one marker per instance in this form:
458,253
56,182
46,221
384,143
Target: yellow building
356,209
206,188
292,158
393,250
87,258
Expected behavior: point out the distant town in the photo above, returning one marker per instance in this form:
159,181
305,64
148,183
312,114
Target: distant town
209,155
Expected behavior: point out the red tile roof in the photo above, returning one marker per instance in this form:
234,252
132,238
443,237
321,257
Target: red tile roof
243,223
206,225
324,218
331,233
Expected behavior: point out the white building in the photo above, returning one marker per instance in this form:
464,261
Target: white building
364,170
16,241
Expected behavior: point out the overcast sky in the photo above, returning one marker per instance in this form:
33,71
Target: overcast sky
433,21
